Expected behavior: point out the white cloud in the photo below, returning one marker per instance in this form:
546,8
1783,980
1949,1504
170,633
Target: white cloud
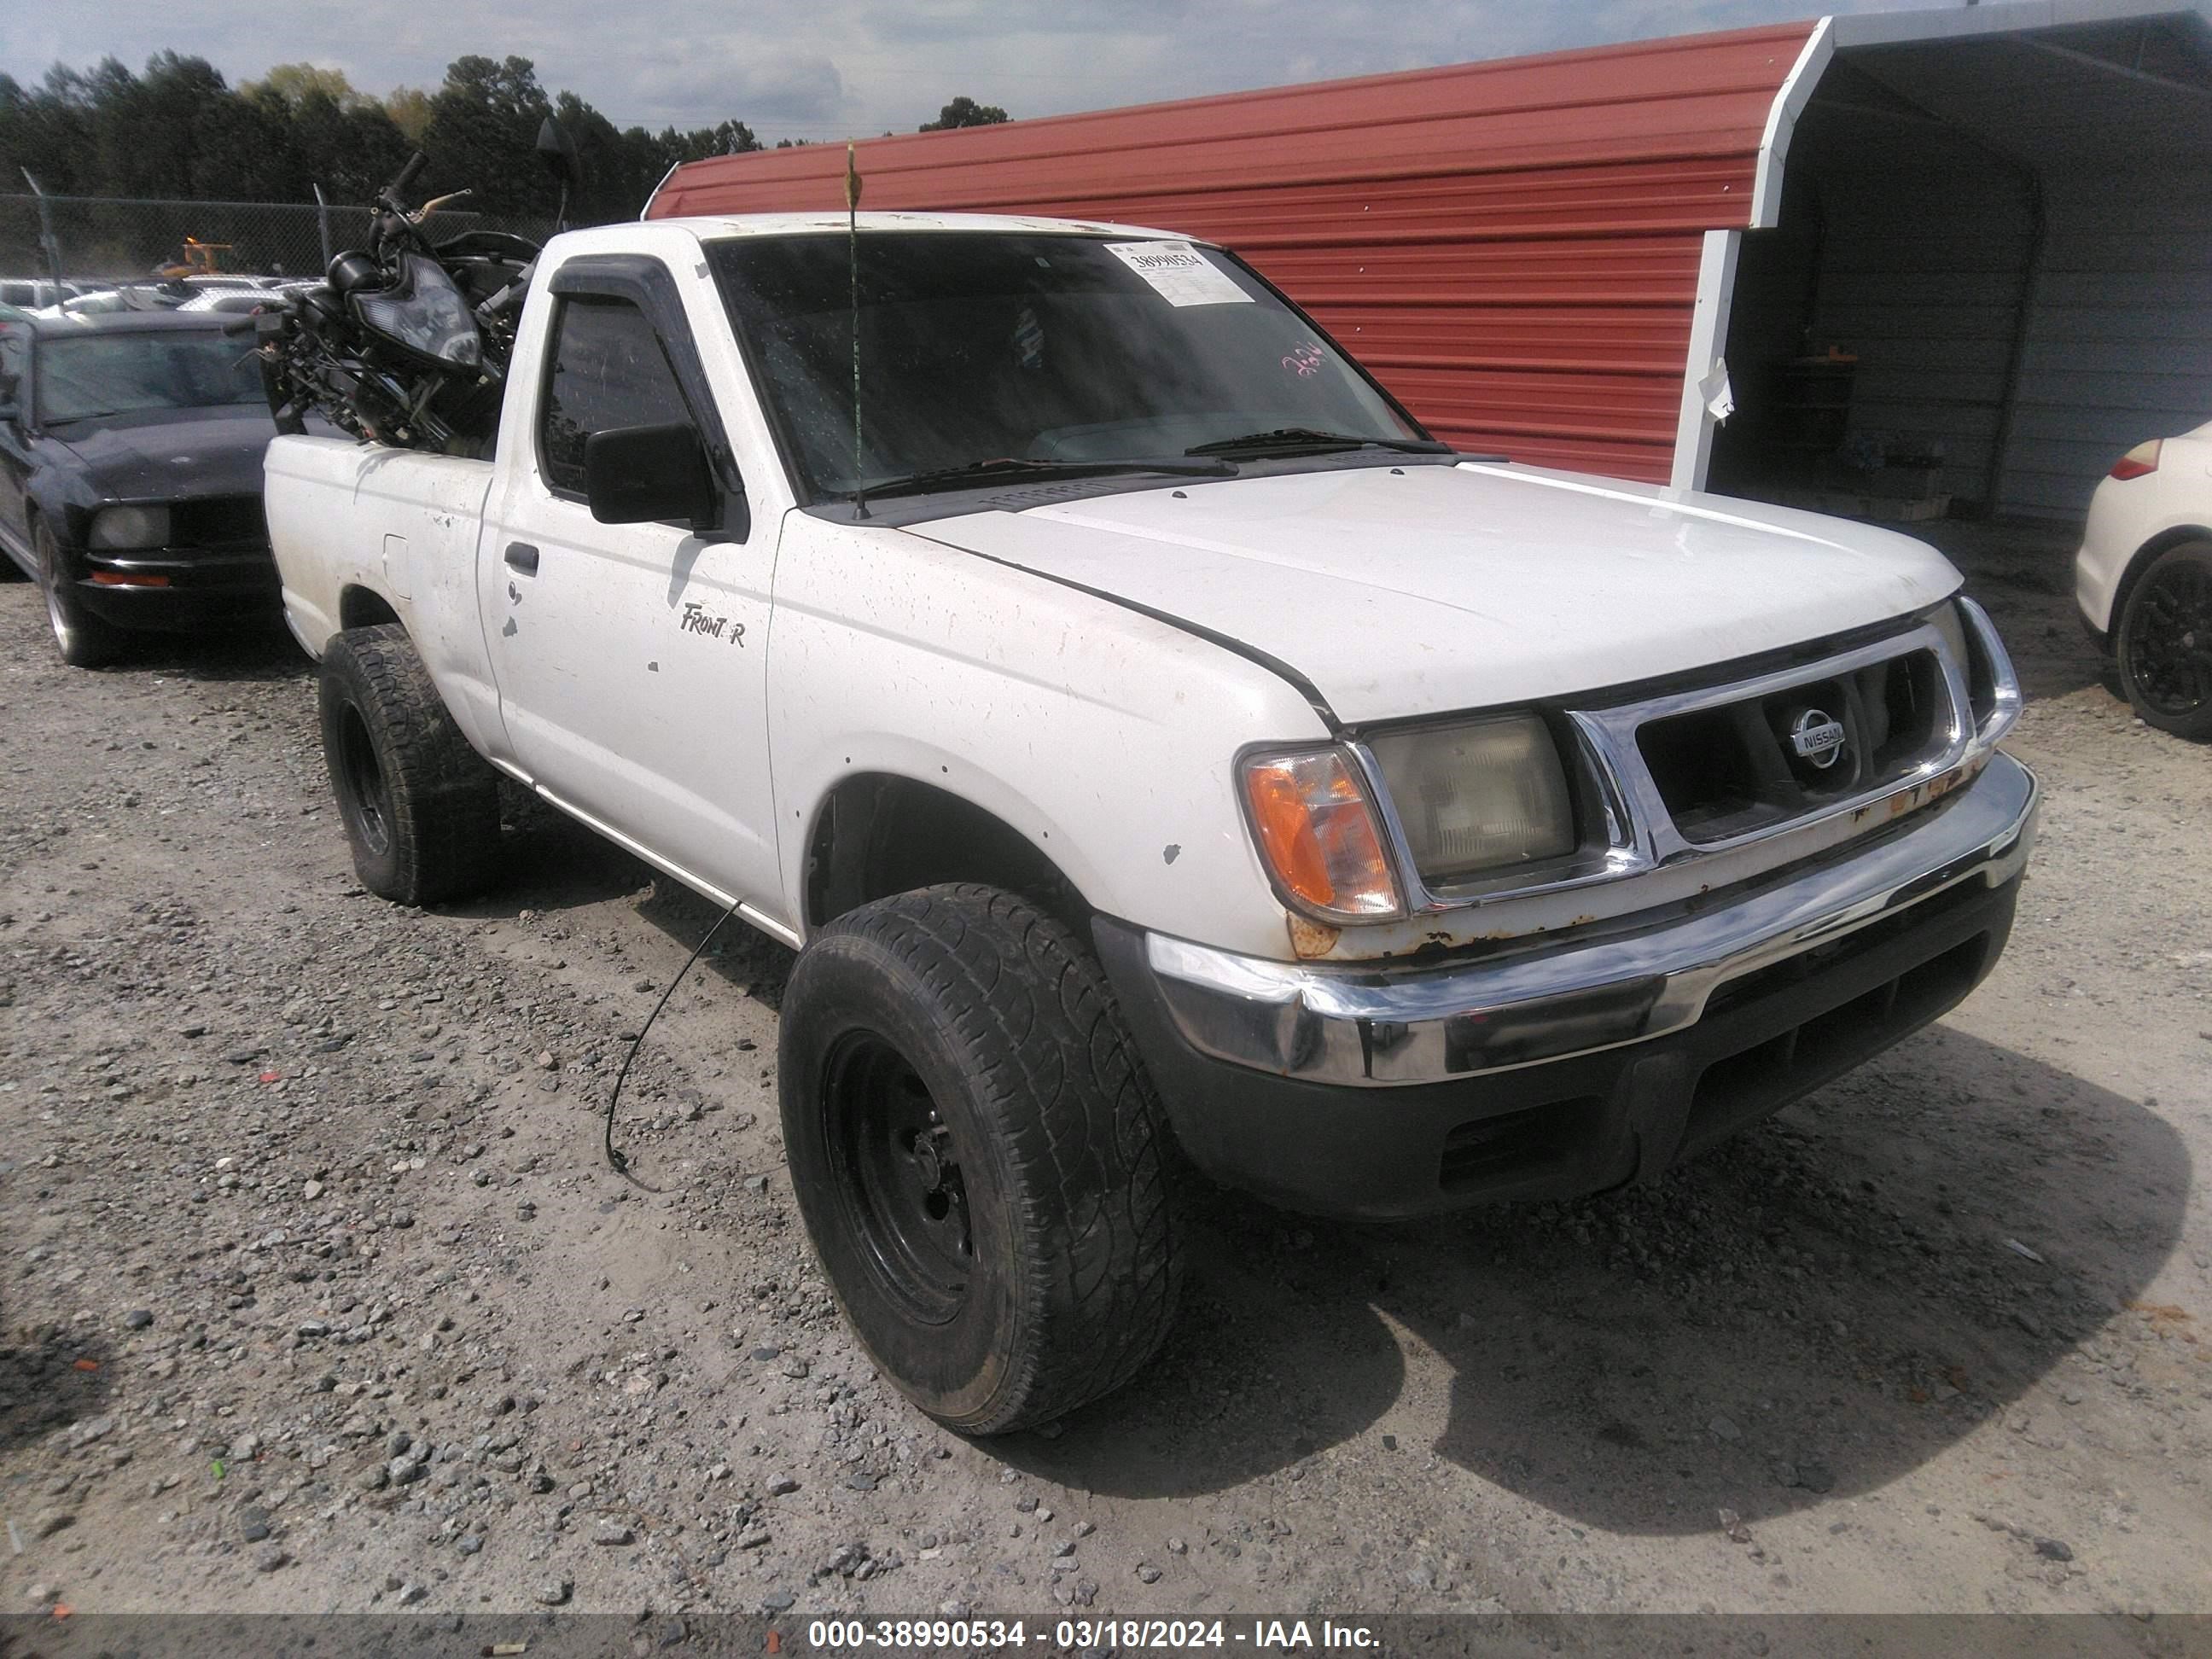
826,68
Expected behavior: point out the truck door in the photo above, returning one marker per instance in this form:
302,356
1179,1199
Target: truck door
631,658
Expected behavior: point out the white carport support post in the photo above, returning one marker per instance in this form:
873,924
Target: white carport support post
1693,428
1790,101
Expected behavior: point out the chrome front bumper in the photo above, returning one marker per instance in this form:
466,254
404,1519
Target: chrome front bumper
1381,1025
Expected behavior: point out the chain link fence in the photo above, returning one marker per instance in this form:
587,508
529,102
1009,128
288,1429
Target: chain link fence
106,239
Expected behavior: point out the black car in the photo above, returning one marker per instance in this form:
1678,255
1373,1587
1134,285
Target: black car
130,449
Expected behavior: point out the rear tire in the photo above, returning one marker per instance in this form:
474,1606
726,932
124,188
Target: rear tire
83,640
2163,645
421,808
979,1156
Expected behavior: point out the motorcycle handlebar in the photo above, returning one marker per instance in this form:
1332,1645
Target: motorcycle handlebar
414,163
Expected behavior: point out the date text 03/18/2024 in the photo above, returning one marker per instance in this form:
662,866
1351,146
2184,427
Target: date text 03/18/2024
1263,1635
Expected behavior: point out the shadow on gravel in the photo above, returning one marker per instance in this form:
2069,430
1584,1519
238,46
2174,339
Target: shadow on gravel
1812,1312
257,651
1276,1356
557,863
2022,572
552,863
749,961
2043,636
46,1384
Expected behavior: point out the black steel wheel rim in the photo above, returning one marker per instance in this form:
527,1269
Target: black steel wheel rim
897,1176
364,780
2169,640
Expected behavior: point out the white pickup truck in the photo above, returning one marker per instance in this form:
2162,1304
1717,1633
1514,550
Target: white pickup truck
1157,750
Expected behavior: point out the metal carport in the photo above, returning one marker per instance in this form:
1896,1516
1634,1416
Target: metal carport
2003,213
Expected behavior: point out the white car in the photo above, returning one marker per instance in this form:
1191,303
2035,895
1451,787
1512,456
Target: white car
2143,579
32,291
1142,729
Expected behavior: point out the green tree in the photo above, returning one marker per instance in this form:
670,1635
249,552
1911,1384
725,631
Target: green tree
180,131
484,128
45,129
409,110
291,84
348,149
964,112
728,138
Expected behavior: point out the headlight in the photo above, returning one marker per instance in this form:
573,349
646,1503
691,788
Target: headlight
130,526
1317,832
1479,797
429,315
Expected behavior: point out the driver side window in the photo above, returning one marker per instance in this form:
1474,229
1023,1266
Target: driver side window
608,370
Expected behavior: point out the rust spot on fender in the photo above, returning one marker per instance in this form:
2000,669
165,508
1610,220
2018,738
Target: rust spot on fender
1313,938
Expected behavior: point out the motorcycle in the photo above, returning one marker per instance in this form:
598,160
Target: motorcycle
406,341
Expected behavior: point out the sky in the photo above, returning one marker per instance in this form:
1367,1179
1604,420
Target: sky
833,69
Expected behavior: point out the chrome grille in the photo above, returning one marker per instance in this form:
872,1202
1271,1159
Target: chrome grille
1718,765
1740,767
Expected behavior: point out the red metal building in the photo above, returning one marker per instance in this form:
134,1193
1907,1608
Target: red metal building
1540,255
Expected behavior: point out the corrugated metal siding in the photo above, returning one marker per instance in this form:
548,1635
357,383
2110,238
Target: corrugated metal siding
2119,341
1512,247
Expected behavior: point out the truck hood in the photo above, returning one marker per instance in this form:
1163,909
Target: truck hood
1403,592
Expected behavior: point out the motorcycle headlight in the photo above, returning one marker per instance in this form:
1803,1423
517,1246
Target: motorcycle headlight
1317,832
427,315
130,526
1477,798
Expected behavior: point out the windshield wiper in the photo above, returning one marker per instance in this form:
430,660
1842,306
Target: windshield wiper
1305,440
955,477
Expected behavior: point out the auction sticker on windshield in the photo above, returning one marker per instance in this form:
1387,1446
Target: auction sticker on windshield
1179,273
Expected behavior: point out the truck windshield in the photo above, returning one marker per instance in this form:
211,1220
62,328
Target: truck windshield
980,347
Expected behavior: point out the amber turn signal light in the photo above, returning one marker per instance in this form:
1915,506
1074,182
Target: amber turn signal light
1316,831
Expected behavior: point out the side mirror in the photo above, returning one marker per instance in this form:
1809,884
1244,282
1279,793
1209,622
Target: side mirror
557,152
645,474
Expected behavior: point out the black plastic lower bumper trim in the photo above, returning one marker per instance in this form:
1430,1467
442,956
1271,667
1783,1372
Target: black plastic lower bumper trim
1572,1126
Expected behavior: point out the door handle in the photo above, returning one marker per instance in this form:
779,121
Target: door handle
521,555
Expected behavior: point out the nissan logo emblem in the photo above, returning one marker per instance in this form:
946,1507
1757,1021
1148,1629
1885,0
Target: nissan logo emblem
1818,740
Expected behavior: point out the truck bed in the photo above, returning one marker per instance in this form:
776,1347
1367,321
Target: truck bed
365,534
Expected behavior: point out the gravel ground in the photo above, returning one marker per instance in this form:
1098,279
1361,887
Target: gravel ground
315,1293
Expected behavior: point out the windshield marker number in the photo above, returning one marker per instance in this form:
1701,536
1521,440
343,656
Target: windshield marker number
696,621
1179,273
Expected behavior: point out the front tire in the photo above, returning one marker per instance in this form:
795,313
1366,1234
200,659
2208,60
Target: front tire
83,640
2164,643
421,808
979,1156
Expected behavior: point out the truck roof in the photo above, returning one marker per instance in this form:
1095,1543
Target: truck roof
710,227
